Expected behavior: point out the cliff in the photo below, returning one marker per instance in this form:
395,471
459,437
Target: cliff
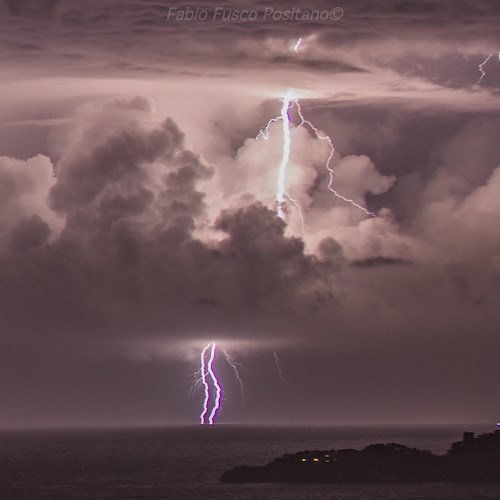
475,459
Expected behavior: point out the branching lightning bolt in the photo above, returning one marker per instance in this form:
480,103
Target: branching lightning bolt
203,378
480,67
285,158
216,384
330,170
207,379
264,132
281,193
235,366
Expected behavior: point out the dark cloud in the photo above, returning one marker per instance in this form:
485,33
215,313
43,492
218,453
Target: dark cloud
118,160
131,207
30,8
316,65
29,233
380,261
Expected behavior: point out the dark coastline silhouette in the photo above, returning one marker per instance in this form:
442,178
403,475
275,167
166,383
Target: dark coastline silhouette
474,459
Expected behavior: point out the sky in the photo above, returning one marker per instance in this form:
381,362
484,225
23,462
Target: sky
139,218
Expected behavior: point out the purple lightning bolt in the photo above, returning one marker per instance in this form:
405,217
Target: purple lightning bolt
216,384
211,385
206,377
203,379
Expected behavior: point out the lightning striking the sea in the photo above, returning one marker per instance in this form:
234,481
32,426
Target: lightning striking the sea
203,379
212,390
216,386
207,379
206,376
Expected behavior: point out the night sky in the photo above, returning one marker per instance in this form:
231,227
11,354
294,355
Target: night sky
138,216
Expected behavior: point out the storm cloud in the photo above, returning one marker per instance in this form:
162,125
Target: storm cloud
138,218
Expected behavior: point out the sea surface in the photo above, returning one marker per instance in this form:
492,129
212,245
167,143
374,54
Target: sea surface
185,462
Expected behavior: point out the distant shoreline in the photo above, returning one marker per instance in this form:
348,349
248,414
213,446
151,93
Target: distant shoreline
474,459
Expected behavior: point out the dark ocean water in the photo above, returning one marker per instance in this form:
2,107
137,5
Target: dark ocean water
185,462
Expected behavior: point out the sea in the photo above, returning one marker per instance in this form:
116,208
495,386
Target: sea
185,462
